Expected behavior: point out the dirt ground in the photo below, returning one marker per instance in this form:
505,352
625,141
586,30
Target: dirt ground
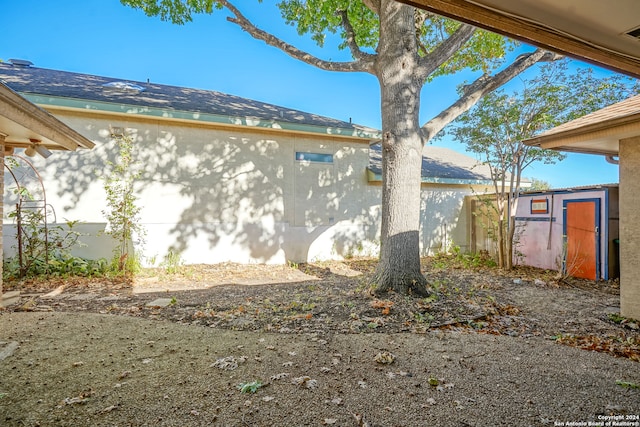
307,345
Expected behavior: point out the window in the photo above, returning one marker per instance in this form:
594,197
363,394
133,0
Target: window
314,157
539,206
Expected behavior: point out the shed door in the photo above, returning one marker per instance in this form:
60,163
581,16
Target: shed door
582,231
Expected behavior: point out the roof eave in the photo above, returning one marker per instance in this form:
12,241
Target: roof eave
19,110
538,35
570,139
55,102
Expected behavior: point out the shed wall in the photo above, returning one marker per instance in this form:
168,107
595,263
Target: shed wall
541,237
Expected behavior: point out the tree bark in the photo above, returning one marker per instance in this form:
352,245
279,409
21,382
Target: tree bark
402,142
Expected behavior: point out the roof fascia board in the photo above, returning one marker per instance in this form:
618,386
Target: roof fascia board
178,115
519,29
19,110
376,177
583,150
627,124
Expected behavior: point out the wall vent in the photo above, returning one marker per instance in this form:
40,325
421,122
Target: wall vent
635,33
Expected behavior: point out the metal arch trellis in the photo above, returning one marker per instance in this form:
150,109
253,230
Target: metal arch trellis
31,197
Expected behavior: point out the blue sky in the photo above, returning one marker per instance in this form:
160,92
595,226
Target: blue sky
102,37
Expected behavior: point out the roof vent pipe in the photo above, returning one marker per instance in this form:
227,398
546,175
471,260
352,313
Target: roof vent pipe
21,62
614,160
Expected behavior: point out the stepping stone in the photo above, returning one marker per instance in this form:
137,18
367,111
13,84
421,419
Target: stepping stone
160,303
7,349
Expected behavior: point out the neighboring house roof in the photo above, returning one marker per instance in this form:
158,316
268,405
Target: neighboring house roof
440,165
52,88
24,124
595,133
65,89
569,189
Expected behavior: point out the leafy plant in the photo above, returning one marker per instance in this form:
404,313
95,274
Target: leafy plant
627,384
123,213
455,258
616,318
251,387
172,262
41,248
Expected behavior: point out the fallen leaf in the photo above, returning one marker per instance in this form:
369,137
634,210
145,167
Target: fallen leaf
75,400
384,357
305,381
228,363
109,409
360,420
279,376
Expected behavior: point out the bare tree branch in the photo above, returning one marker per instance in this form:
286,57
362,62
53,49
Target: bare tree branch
356,52
445,50
239,19
472,93
420,19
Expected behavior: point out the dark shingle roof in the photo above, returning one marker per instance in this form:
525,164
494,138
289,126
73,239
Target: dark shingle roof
439,165
42,81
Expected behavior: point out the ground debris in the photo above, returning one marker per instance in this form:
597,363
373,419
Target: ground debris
228,363
305,382
385,358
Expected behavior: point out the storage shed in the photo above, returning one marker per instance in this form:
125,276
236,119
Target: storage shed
571,230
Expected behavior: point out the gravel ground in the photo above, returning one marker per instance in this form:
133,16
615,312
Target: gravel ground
312,348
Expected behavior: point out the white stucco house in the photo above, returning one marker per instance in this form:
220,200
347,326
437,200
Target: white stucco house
225,178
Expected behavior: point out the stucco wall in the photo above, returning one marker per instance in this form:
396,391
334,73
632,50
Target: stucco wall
216,195
630,227
2,139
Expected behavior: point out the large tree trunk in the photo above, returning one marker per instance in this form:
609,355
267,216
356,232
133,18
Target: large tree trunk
402,142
